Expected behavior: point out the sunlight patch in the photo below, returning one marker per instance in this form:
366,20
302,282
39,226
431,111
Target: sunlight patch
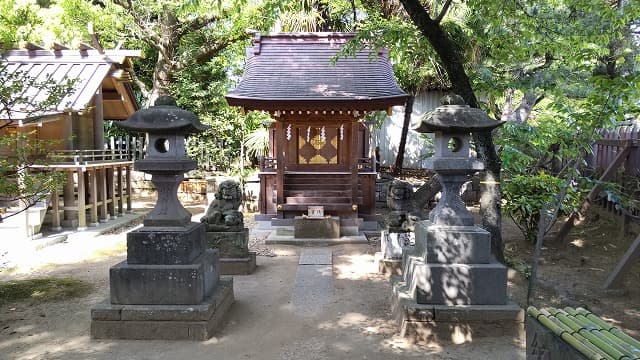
357,267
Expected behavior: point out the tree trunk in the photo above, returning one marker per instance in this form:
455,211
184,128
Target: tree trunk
522,113
408,110
460,84
424,194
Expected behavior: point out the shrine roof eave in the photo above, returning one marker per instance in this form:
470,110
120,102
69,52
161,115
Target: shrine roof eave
317,104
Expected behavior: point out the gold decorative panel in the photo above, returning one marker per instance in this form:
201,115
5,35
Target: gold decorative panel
317,151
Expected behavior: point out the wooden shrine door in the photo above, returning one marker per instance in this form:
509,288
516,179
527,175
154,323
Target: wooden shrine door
317,147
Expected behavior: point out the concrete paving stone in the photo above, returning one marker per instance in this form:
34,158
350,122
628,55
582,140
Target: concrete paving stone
313,289
316,257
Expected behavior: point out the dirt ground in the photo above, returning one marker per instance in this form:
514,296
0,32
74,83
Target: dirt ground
574,275
264,324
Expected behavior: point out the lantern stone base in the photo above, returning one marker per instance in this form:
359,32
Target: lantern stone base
456,284
452,323
238,266
164,284
165,245
164,322
452,244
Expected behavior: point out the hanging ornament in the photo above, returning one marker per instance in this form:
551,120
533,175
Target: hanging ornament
289,132
341,131
323,135
308,133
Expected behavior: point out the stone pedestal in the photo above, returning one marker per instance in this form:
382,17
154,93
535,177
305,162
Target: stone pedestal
235,257
319,228
452,289
392,242
169,288
238,266
164,322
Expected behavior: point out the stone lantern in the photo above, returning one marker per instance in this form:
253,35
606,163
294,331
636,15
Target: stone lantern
169,287
166,159
452,288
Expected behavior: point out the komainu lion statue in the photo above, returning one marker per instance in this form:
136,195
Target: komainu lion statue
223,214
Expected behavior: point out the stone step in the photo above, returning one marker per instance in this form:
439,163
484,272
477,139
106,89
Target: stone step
327,207
343,222
318,200
317,193
316,186
316,176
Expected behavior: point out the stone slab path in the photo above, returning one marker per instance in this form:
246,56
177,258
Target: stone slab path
321,256
313,287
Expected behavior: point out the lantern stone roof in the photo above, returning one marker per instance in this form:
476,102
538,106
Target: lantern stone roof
455,116
89,70
165,117
295,71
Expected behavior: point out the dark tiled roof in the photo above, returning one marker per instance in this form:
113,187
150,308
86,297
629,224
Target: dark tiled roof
88,68
294,71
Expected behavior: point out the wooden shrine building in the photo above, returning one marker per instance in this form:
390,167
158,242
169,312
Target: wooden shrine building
319,148
98,185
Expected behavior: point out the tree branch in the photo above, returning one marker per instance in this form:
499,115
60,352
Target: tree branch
198,23
210,50
146,33
443,12
548,59
143,87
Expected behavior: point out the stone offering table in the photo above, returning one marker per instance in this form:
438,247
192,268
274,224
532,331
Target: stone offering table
169,287
452,289
326,227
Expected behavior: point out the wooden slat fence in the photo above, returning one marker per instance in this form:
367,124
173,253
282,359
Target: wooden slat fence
613,141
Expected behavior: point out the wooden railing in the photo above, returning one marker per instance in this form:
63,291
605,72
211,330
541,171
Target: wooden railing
268,164
81,157
366,164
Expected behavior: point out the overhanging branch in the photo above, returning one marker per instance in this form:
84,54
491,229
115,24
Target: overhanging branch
443,12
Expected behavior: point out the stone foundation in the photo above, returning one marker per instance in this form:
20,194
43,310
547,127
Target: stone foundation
452,324
163,322
164,284
238,266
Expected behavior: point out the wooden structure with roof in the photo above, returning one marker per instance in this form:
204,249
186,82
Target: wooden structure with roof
98,181
319,147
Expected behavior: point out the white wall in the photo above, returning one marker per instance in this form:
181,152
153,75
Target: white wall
388,136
